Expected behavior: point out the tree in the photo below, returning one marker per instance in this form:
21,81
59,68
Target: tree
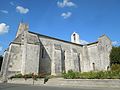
115,55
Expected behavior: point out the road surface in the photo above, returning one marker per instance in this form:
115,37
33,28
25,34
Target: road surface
31,87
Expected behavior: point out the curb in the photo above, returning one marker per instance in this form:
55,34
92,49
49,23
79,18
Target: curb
59,82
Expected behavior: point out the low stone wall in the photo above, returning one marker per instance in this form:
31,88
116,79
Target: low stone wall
70,82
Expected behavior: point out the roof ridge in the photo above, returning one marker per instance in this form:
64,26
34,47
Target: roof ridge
55,38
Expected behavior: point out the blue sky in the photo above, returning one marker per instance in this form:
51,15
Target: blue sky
60,18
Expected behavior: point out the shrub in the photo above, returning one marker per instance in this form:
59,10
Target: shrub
46,78
92,75
115,67
26,76
18,76
71,75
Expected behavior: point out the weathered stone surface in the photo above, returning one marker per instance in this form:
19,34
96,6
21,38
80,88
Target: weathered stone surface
43,54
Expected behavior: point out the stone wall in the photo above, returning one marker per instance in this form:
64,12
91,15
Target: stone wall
94,57
104,48
32,60
99,54
71,59
15,58
35,53
56,56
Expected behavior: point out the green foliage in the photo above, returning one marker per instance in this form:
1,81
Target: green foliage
115,55
92,75
17,76
46,78
27,76
71,75
115,67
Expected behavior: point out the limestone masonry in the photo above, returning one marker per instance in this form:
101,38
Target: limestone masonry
36,53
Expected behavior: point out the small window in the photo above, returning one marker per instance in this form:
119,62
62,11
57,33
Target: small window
74,37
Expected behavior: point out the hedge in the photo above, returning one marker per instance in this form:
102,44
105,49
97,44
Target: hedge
92,75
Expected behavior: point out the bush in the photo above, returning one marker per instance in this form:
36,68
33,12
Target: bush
18,76
71,75
92,75
115,67
26,76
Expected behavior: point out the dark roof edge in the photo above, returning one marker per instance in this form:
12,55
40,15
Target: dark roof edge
54,38
15,43
93,43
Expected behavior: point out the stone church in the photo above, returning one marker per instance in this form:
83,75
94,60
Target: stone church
31,52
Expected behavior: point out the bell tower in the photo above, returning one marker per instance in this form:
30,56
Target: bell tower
21,28
75,38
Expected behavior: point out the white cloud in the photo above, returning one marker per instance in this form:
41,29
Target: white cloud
66,15
66,3
83,42
4,28
4,11
115,43
11,3
22,10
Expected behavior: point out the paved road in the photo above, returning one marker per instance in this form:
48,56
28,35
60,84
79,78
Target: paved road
31,87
